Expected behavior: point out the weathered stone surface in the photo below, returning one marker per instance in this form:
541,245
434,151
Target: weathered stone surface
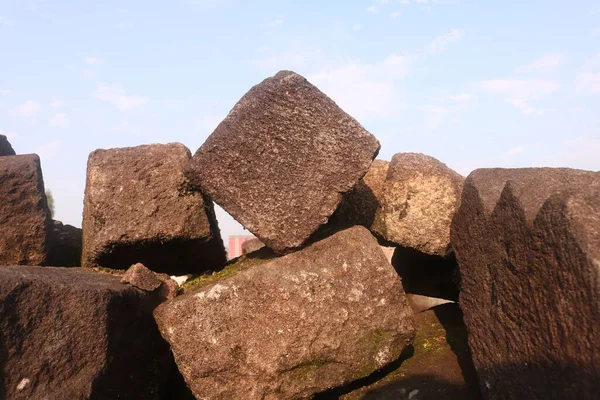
141,277
360,204
5,147
138,208
528,245
168,288
288,327
64,245
418,202
252,245
281,160
24,214
438,367
71,333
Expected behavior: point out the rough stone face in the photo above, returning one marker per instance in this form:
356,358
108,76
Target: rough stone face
138,208
252,245
528,245
360,204
292,326
5,147
64,249
141,277
71,333
281,160
24,214
418,202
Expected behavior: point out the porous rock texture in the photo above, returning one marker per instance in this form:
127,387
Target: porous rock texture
5,147
292,326
420,198
359,205
24,214
281,160
528,245
138,208
141,277
252,245
64,245
72,333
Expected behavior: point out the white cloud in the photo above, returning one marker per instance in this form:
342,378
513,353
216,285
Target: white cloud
356,27
5,91
365,90
588,79
92,61
47,150
514,151
456,98
27,109
440,43
56,103
520,92
371,9
395,15
88,73
5,21
59,121
547,62
116,95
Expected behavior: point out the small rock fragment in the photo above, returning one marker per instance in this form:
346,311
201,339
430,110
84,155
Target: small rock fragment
141,277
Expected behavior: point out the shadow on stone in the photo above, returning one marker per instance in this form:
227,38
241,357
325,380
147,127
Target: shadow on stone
427,275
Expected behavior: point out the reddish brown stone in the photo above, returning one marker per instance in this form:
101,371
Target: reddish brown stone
528,245
418,202
281,160
141,277
5,147
359,205
138,208
24,215
252,245
289,327
64,248
71,333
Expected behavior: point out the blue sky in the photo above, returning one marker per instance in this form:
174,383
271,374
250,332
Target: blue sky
472,83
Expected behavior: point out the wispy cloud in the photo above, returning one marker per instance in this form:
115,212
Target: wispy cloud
5,91
88,73
9,135
28,109
365,90
395,15
356,27
5,21
441,43
59,121
520,92
514,151
117,96
454,98
56,103
371,9
548,62
48,150
588,79
92,61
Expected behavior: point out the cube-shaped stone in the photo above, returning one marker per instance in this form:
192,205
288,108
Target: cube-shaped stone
281,160
138,207
24,214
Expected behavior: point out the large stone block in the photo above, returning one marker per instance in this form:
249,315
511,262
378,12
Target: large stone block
289,327
281,160
360,204
420,198
138,208
71,333
24,214
528,245
64,245
5,147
